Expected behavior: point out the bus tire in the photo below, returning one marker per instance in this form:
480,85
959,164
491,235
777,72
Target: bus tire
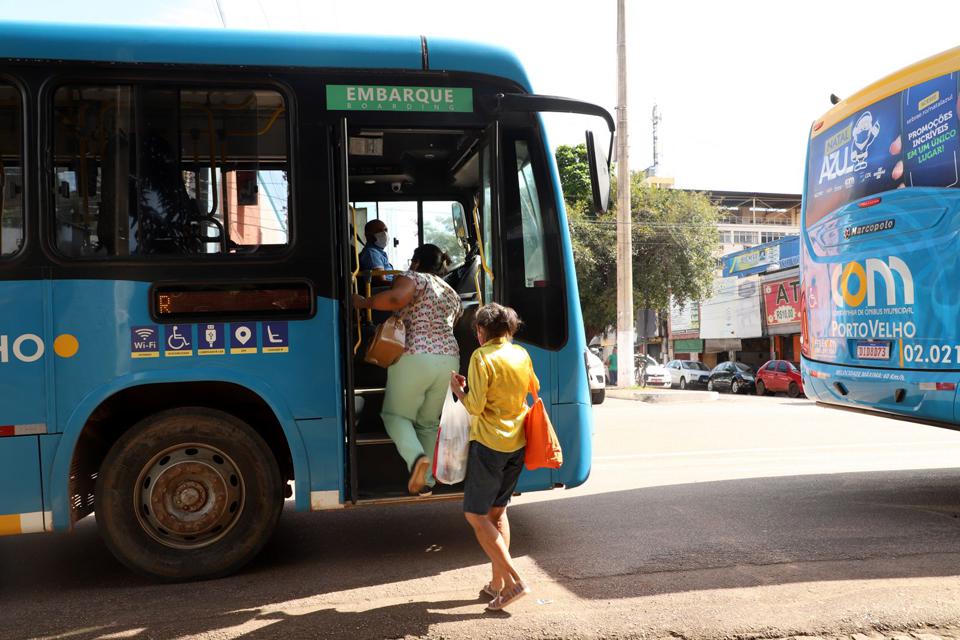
188,494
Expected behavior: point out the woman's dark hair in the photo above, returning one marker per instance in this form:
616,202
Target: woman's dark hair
430,258
497,321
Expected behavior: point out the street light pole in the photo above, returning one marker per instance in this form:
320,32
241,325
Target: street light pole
625,328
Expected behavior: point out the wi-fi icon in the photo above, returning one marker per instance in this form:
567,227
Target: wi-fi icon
144,334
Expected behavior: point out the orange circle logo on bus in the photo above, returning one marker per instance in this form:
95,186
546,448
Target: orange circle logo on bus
853,299
66,345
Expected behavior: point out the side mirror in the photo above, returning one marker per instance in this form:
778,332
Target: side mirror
459,221
599,175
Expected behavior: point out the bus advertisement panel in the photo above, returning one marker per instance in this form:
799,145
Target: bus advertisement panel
878,255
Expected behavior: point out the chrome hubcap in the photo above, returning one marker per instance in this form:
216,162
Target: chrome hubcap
189,496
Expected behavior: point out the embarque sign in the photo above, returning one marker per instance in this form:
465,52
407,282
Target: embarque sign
349,97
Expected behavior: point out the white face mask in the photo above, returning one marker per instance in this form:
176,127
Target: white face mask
381,239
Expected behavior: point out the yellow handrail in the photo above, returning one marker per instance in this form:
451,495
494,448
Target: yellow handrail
483,257
372,273
356,286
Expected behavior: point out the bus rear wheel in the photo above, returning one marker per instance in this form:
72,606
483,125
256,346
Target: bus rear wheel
187,494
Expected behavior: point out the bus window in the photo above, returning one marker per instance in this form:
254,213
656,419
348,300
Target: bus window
401,220
534,265
486,221
439,229
11,172
147,170
528,230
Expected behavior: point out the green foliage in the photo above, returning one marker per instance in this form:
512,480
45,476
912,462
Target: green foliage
674,244
574,174
595,253
443,235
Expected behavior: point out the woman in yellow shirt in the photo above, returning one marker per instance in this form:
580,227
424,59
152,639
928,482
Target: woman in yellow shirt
500,374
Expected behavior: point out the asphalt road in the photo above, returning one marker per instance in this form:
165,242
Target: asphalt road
747,517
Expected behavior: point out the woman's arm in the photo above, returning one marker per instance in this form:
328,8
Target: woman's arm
393,299
475,399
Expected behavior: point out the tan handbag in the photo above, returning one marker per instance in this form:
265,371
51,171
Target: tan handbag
387,344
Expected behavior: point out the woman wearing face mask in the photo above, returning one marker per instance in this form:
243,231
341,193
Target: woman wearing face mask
418,382
374,255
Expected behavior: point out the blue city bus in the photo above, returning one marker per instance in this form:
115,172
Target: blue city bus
880,261
182,215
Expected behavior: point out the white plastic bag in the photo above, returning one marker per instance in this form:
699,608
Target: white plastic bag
453,443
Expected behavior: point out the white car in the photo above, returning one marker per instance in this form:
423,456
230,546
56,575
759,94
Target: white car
598,377
656,374
688,373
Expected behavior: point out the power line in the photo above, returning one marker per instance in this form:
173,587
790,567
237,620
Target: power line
223,18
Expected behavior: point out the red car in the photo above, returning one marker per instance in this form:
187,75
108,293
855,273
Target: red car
780,375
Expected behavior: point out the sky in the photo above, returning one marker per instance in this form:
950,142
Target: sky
737,83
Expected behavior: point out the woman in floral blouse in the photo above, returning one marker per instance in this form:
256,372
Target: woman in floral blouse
419,380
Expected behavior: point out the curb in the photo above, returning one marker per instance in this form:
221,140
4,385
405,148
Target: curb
663,397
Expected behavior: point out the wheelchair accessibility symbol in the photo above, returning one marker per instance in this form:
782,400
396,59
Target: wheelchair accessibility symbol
178,340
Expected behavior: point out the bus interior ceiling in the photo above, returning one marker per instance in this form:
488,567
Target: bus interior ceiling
390,168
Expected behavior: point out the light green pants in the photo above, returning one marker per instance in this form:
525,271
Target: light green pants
417,385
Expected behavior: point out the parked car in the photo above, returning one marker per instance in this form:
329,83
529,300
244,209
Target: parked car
688,373
780,375
655,374
598,377
731,376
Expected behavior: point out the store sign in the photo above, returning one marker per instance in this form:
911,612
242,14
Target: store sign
685,320
348,97
733,311
772,256
781,301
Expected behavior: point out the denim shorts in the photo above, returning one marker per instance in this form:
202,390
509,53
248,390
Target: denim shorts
491,478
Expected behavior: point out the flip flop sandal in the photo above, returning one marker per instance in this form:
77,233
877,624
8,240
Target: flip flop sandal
418,475
508,597
490,591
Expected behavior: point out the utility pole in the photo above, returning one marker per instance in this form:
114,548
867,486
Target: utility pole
656,153
625,327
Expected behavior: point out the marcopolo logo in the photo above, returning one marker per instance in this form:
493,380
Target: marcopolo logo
855,283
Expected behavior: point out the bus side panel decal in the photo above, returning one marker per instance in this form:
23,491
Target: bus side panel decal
17,523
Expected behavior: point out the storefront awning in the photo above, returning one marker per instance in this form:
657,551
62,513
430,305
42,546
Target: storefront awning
724,344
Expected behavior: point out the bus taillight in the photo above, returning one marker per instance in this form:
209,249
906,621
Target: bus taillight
804,328
869,203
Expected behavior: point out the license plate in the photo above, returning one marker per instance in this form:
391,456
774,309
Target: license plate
873,350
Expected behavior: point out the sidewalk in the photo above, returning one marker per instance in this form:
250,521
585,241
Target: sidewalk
651,394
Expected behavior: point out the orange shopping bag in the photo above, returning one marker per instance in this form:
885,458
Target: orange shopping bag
543,448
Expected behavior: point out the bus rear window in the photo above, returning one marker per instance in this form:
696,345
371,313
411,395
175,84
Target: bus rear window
906,140
144,170
11,172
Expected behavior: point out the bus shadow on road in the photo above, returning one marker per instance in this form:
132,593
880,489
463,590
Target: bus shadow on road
748,532
630,543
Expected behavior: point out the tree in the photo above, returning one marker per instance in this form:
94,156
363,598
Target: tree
674,243
442,235
574,174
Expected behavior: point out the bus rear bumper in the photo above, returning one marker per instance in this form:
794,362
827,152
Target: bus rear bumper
924,396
